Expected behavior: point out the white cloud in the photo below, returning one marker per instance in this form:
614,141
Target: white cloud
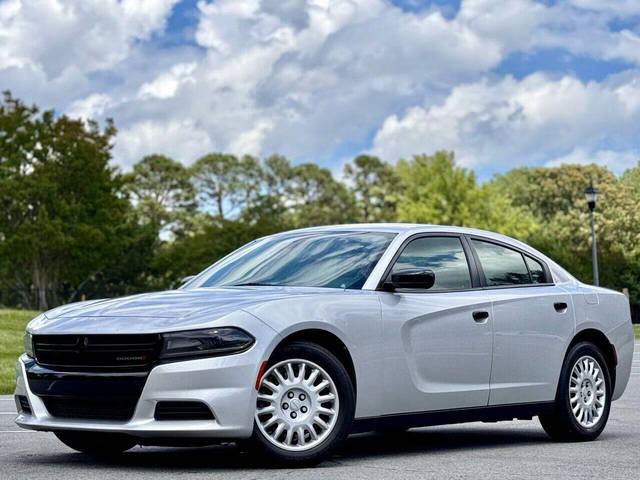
53,35
511,23
250,142
616,161
296,82
166,85
147,137
508,122
91,107
304,77
616,7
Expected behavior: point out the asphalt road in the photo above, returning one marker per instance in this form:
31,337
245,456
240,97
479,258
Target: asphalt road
504,450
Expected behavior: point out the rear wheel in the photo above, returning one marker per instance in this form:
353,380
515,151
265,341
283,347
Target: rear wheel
305,405
96,443
584,396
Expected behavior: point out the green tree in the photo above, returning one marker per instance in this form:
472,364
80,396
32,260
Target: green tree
314,197
269,199
631,178
374,184
250,178
556,198
64,218
277,175
162,192
433,189
215,180
225,184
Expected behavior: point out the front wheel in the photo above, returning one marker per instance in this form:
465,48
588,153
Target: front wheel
96,443
305,405
584,396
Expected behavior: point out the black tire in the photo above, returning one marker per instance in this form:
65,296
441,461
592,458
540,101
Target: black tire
346,396
96,443
562,425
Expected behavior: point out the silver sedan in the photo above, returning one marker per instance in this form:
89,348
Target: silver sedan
298,339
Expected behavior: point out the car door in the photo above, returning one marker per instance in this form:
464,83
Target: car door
532,322
437,355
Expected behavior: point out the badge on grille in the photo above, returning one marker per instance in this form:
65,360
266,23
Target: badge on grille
132,358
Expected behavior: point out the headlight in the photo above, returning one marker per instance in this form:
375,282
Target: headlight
210,342
28,344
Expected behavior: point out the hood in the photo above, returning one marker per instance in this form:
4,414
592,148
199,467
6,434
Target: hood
161,311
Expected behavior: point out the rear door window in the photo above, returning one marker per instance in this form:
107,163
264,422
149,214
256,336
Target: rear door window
501,265
536,269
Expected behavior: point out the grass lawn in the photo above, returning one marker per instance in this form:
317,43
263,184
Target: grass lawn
12,323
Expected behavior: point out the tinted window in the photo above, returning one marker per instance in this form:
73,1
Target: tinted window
502,266
310,259
443,255
536,269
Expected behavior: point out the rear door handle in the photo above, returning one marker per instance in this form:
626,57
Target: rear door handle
560,307
481,316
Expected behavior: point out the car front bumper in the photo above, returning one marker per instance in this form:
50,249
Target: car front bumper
225,384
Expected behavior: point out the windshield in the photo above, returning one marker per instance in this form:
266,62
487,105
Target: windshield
310,259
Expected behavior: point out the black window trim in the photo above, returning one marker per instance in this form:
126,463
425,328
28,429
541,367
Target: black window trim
483,280
478,280
466,247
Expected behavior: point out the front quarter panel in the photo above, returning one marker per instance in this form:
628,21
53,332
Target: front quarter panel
352,316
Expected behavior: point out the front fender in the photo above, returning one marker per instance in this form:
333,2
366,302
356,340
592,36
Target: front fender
354,318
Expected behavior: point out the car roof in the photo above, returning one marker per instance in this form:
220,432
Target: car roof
404,228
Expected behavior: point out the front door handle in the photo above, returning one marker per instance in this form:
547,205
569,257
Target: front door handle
481,316
560,307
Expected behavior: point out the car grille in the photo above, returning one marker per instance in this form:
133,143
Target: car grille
97,352
189,410
108,409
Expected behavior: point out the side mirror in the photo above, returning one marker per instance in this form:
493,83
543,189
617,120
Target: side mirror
413,279
186,280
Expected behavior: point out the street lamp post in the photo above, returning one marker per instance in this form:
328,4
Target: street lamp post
591,194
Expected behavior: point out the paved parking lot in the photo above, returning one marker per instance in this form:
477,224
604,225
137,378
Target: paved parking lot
503,450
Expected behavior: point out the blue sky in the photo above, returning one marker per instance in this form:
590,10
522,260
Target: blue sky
502,83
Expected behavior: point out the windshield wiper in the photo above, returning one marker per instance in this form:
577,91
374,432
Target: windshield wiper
252,284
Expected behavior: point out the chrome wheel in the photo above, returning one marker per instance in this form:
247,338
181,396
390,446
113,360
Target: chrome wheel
297,405
587,391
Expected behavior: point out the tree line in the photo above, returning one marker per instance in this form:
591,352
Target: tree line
73,226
